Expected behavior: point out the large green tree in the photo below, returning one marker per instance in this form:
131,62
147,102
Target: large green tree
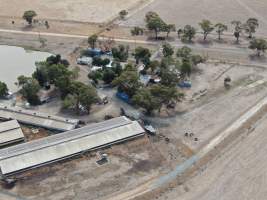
142,54
260,45
206,27
81,97
29,89
128,81
120,53
146,100
154,23
188,33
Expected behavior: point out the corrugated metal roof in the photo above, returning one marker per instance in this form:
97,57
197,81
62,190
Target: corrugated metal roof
10,132
52,148
37,118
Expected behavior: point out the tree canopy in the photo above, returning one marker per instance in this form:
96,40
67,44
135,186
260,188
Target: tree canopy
92,40
167,50
29,89
250,26
81,97
3,89
207,27
142,54
260,45
120,53
128,81
29,15
155,23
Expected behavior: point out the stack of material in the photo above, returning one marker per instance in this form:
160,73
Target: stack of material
10,132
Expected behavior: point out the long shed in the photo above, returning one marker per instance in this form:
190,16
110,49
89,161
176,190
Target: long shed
10,132
64,145
37,118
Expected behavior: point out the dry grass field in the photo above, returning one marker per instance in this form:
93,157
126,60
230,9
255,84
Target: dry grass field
181,12
71,10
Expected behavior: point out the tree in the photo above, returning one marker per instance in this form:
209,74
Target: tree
188,33
167,50
29,15
95,76
29,89
169,28
154,97
154,23
108,76
137,31
220,28
123,14
237,29
128,81
165,95
250,26
120,53
260,45
57,60
184,53
168,78
92,40
166,62
117,68
142,54
207,27
146,100
81,98
3,89
153,65
186,68
41,75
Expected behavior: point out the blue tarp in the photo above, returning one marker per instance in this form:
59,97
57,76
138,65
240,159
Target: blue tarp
124,97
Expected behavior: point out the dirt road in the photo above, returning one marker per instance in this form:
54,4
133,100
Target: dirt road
181,168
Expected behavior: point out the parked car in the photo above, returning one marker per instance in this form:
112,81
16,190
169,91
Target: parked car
84,61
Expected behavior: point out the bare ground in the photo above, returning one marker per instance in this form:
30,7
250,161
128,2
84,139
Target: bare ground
97,11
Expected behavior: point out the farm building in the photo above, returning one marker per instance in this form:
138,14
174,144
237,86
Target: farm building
10,132
38,119
61,146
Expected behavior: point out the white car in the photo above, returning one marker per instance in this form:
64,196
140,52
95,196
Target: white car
84,61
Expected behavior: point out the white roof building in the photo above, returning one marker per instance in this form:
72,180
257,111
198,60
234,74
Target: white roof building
10,132
64,145
37,118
